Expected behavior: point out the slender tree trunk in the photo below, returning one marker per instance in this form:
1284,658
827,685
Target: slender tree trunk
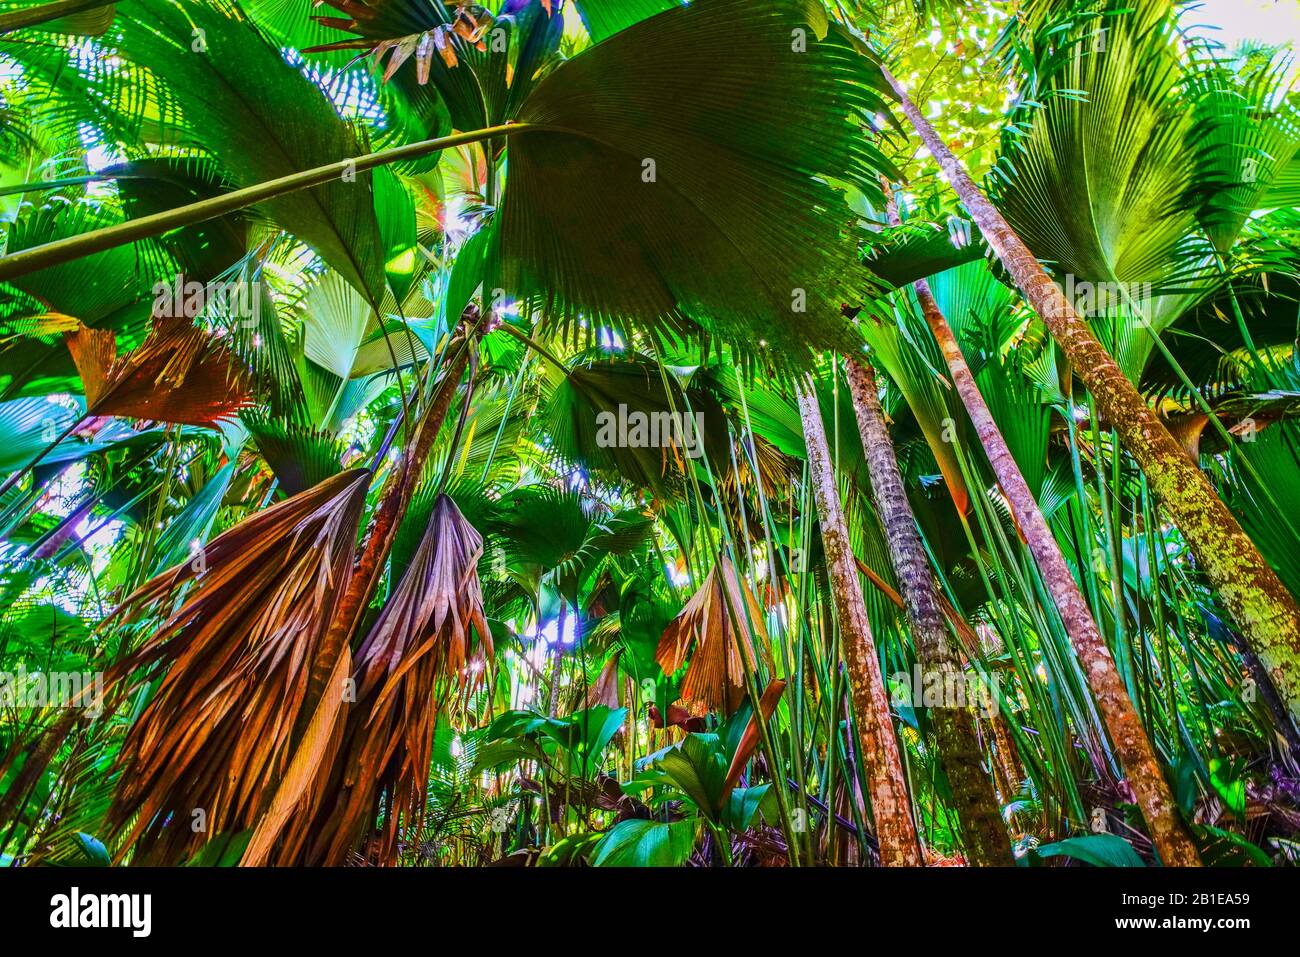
954,724
1132,746
1265,612
895,829
392,506
362,583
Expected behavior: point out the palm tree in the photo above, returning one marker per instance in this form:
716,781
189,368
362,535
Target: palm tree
887,783
954,728
1121,718
1262,607
461,498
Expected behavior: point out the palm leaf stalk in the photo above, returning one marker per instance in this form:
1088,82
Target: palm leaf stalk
1117,710
1263,608
887,781
320,734
770,741
42,13
420,645
976,804
133,230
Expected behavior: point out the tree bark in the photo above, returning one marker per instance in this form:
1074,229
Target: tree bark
954,725
360,588
1265,612
397,495
895,829
1150,789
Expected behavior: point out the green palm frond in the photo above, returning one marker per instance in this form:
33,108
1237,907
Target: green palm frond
269,119
1245,135
604,18
725,222
585,406
1097,186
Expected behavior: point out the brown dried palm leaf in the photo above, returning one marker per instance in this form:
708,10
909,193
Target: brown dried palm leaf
607,688
417,656
219,730
715,679
181,373
390,27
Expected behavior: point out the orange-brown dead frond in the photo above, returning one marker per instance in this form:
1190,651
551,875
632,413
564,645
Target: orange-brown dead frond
715,678
218,732
752,735
419,653
181,373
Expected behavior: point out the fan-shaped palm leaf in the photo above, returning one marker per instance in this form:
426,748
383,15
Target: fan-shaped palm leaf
724,221
720,620
409,664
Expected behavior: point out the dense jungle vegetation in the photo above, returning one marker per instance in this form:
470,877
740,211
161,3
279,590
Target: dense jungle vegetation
720,433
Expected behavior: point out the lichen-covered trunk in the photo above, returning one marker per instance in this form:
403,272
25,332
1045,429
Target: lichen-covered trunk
954,723
1132,746
895,829
1265,611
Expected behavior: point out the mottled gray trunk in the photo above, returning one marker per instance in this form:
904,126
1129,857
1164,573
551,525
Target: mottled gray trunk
895,829
954,723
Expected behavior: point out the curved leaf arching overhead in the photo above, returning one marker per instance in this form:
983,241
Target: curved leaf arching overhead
725,224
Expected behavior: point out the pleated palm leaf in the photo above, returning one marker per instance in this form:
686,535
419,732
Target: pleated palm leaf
677,259
1098,185
728,226
1246,130
586,406
300,456
265,119
720,619
215,737
558,536
415,659
110,290
725,222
